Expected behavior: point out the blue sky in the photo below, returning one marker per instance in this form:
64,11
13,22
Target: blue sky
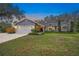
40,10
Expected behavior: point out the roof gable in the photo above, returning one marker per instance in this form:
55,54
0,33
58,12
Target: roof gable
25,22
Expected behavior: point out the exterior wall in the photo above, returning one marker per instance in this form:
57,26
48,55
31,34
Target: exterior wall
55,28
50,28
65,26
24,27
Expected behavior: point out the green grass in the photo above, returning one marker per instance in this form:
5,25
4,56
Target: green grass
49,44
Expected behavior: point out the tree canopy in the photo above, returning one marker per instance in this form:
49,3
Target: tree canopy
8,10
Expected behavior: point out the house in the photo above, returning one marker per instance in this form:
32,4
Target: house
53,25
24,25
41,26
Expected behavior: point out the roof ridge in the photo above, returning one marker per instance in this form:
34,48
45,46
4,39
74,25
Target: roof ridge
28,20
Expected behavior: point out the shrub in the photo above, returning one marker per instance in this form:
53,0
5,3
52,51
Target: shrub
2,26
33,30
10,30
5,27
36,33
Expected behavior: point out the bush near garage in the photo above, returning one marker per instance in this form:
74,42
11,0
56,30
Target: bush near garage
4,27
10,30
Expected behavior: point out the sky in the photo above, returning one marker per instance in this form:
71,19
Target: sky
41,10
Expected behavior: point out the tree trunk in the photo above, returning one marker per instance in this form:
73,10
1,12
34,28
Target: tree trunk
72,26
59,26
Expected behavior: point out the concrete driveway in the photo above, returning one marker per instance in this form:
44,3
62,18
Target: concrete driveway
20,32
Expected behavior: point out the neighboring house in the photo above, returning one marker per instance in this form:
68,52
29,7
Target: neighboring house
53,25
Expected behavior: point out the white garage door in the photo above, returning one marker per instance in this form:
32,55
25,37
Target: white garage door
23,29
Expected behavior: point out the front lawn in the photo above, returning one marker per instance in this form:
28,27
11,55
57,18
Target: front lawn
46,44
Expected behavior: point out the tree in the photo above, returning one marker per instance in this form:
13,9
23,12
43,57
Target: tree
75,19
59,25
77,27
7,14
72,26
59,20
8,10
46,18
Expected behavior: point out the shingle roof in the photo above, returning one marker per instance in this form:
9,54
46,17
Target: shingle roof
25,22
